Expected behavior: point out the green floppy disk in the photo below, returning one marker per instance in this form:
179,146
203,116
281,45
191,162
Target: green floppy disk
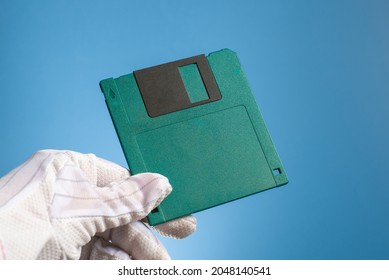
195,121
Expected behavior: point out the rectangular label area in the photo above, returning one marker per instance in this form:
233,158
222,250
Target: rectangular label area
207,161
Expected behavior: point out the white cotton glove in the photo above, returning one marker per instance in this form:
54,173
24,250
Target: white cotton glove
61,203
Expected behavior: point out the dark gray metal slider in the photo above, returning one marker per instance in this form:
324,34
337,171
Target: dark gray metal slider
164,88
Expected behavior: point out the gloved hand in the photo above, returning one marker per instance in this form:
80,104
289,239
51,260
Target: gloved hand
67,205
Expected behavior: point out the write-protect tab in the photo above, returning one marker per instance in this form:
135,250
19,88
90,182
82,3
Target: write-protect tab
164,90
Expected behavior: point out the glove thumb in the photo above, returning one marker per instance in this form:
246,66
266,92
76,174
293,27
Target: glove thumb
80,209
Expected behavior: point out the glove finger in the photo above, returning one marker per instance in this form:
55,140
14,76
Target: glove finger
178,228
117,204
138,241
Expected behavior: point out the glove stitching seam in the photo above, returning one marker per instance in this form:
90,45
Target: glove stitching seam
140,211
112,199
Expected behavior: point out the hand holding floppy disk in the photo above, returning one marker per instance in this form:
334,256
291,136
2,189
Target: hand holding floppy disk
67,205
193,120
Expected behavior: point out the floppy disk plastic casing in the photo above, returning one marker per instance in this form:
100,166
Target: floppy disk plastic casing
196,122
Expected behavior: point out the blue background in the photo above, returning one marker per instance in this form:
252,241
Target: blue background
320,74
